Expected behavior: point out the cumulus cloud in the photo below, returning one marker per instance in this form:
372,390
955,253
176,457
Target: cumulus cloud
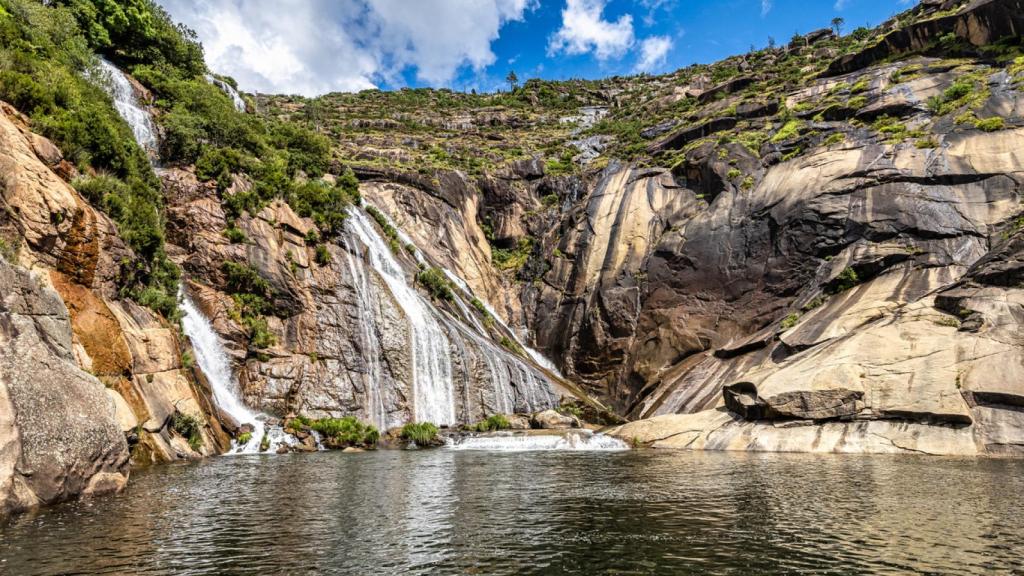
766,7
584,30
653,52
315,46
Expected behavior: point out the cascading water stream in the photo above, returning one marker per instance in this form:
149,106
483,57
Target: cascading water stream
120,89
236,98
214,362
375,410
515,386
431,358
536,356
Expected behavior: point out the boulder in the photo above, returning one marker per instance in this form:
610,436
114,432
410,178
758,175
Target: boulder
552,420
60,434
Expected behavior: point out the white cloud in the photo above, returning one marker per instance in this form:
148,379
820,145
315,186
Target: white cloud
653,51
766,7
584,30
316,46
840,4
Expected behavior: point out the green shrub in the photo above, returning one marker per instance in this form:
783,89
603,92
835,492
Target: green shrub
189,427
265,443
234,235
515,258
926,143
493,423
244,438
847,279
790,321
512,346
325,203
422,433
835,138
390,233
347,431
990,124
788,131
243,279
436,283
322,255
733,174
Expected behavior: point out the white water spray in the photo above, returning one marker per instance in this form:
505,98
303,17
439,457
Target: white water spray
120,89
431,358
570,440
213,361
236,98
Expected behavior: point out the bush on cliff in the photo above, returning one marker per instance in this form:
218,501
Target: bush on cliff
436,283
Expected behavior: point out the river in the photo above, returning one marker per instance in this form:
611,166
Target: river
469,512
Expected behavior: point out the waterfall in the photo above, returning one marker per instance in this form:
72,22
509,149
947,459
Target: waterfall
213,361
535,355
430,355
375,410
120,89
228,89
570,440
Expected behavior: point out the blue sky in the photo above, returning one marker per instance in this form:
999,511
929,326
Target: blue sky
315,46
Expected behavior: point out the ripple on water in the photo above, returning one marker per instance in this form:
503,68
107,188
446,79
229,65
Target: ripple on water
452,512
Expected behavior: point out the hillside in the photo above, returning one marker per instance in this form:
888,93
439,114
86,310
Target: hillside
815,246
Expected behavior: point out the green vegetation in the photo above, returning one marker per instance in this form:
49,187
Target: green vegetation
389,231
514,258
570,410
234,235
347,431
492,423
512,346
835,138
990,124
265,443
436,283
790,321
322,255
788,131
48,71
250,294
847,279
325,203
189,427
422,433
243,438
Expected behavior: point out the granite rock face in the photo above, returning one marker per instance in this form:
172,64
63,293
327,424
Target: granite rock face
59,437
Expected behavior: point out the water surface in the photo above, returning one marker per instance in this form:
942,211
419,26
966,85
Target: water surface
465,512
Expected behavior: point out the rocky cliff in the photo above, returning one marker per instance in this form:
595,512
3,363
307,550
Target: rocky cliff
814,247
775,252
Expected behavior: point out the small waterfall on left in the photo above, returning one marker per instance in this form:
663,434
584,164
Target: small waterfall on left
213,361
128,106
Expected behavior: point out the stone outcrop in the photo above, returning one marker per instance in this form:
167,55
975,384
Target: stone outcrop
76,251
59,437
980,22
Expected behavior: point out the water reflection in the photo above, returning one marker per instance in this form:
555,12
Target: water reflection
448,512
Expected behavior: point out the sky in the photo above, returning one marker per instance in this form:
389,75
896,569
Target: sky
312,47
